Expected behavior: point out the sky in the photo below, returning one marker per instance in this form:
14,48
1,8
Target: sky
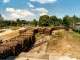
32,9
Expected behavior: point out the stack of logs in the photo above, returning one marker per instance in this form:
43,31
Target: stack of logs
45,30
25,40
14,46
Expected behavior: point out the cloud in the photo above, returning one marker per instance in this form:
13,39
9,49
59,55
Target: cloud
30,5
6,1
13,14
44,1
17,13
11,10
41,11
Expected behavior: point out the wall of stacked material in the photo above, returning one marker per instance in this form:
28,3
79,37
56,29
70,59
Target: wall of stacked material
24,41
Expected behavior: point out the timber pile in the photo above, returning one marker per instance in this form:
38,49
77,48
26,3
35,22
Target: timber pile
15,42
9,34
15,45
21,30
47,31
43,30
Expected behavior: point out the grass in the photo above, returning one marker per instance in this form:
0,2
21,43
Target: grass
53,44
39,36
62,42
76,36
63,39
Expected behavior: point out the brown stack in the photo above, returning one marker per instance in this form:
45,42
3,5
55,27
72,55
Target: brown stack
47,31
41,30
14,46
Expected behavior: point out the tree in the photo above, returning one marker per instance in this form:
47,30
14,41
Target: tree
70,21
66,21
43,20
23,22
54,21
19,23
75,20
1,21
34,22
1,18
60,21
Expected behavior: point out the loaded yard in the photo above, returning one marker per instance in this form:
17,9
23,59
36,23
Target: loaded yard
39,44
12,42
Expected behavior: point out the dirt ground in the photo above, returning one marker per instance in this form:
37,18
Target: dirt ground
61,45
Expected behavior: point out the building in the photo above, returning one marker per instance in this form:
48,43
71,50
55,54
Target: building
77,26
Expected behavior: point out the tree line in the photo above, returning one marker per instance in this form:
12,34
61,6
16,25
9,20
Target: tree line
44,21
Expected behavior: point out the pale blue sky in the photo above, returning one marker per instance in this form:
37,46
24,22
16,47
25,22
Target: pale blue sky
29,9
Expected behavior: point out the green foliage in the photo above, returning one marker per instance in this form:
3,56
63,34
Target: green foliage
35,22
70,22
43,20
55,21
66,21
49,21
78,31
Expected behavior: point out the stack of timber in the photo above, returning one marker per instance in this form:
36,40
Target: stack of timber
9,34
47,31
14,46
43,30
